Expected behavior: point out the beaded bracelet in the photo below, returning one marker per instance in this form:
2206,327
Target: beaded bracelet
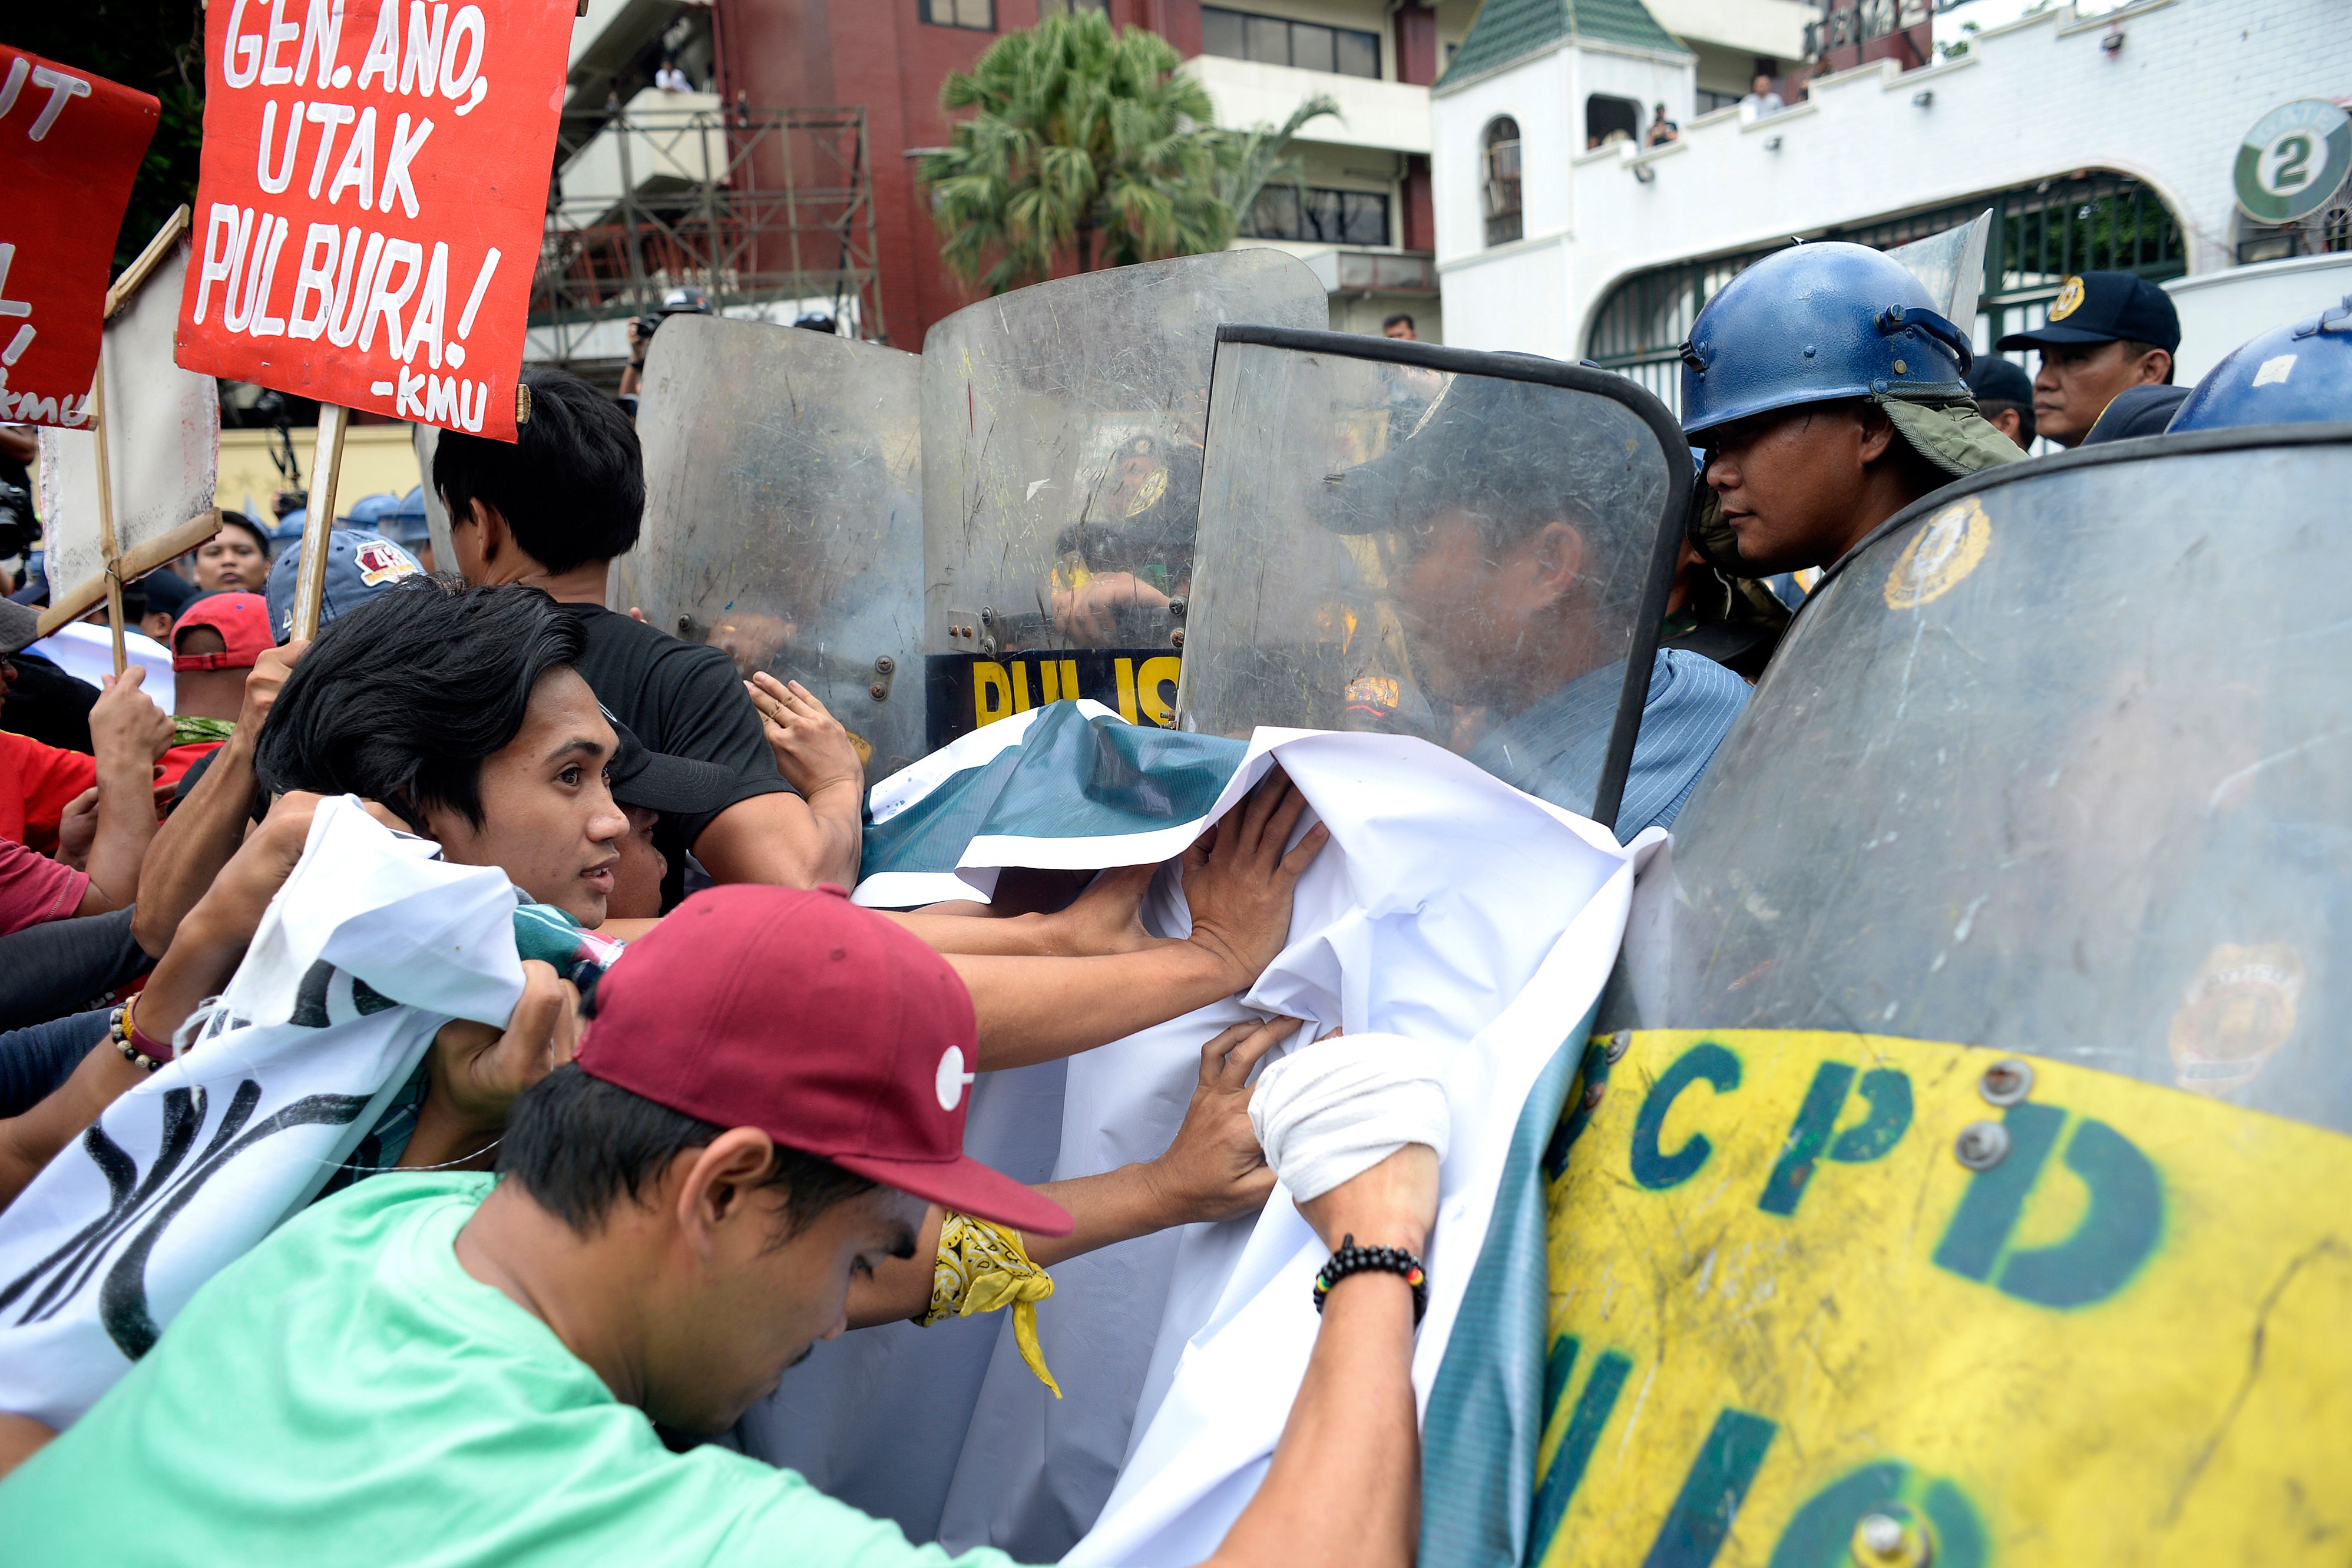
1353,1259
136,1048
120,1037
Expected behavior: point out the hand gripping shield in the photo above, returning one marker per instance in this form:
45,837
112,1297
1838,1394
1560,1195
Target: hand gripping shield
1063,427
1472,548
783,517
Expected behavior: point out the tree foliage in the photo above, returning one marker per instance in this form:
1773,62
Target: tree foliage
1092,145
1250,161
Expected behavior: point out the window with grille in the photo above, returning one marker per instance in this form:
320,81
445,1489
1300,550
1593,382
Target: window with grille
978,14
2041,233
1331,217
1499,191
1275,41
1072,8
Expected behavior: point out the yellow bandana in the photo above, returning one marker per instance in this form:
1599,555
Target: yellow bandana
982,1268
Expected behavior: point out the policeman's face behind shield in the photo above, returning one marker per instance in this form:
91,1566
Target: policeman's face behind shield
1497,609
1512,537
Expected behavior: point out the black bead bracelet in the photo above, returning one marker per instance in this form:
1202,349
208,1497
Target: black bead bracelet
1353,1259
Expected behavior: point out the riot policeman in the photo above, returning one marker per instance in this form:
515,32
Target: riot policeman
677,302
1062,432
1472,549
1987,1018
1131,549
1829,394
783,517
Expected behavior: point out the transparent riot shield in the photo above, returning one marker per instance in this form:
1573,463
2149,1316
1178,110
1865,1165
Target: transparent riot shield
1063,427
1472,548
783,517
1951,265
1961,1174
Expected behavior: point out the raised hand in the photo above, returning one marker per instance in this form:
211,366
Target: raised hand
1215,1170
78,829
270,672
478,1070
812,751
1239,882
124,721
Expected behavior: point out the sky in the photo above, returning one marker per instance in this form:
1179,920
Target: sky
1990,14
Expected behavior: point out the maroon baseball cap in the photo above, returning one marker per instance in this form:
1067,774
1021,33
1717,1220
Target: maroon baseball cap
824,1025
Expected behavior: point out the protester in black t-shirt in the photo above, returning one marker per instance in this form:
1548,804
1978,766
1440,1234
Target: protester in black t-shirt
553,510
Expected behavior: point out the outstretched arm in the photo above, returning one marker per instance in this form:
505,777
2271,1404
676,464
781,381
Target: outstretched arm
127,733
1345,1484
1238,882
198,838
1213,1170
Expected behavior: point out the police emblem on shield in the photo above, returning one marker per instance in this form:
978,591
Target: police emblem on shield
2070,299
1939,555
2235,1015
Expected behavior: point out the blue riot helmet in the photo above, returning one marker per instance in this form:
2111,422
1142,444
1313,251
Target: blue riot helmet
369,510
2300,373
1813,323
405,522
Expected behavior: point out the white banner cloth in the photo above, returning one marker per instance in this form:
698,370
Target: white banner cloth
370,945
1450,909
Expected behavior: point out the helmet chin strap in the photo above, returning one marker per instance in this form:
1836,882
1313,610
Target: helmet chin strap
1895,317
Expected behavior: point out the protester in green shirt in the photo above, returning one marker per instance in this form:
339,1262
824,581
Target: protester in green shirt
765,1114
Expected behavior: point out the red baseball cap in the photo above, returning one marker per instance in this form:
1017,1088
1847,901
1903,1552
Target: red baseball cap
824,1025
243,622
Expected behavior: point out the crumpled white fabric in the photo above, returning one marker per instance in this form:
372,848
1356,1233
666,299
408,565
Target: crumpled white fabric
1333,1109
372,945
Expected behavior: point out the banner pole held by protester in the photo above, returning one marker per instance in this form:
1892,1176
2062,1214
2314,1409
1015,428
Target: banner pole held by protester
326,463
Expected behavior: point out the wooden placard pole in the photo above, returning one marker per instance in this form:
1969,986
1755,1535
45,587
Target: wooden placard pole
108,550
327,460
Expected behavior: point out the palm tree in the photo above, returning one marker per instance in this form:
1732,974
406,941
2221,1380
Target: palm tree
1249,161
1082,139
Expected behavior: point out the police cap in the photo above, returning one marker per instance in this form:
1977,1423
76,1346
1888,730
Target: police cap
2104,308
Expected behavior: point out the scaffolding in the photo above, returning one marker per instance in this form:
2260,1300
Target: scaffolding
768,211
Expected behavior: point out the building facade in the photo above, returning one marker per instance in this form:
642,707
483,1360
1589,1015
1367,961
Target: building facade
2098,142
846,95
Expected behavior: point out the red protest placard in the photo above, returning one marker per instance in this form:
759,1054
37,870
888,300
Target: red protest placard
69,148
374,187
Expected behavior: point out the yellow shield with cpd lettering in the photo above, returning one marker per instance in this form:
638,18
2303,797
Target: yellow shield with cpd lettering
1827,1299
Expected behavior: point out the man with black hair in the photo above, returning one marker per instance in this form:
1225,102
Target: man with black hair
236,559
553,510
2004,396
1401,326
2106,332
759,1139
